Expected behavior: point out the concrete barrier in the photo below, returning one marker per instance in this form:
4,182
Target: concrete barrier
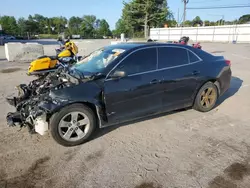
115,42
119,42
23,52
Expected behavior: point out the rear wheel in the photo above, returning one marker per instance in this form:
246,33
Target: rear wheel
206,97
73,125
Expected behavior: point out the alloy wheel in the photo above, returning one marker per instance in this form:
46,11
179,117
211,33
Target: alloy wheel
208,97
74,126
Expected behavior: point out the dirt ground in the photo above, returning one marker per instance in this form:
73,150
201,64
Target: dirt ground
184,149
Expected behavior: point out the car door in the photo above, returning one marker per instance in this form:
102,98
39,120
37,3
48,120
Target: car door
136,94
180,72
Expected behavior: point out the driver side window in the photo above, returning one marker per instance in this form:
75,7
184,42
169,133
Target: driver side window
138,62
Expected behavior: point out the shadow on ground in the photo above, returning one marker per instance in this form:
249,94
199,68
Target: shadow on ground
214,52
235,85
102,131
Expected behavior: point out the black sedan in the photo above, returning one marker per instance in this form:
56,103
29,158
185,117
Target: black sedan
122,82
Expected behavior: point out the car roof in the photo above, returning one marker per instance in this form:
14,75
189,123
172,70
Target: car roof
144,44
137,45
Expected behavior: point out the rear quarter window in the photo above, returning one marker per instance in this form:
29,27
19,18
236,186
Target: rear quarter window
202,54
192,57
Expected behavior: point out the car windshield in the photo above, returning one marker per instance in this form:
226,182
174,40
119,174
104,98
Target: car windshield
98,60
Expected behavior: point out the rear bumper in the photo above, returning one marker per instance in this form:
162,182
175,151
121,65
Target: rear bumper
225,80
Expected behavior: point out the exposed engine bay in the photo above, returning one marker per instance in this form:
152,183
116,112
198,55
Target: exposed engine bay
28,113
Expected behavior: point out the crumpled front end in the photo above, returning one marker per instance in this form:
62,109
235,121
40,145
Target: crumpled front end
30,101
29,114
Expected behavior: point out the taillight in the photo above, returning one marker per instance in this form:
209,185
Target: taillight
228,62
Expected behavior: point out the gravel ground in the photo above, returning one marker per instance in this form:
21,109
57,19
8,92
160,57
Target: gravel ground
183,149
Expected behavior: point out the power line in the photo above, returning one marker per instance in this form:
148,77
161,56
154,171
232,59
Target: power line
205,1
220,7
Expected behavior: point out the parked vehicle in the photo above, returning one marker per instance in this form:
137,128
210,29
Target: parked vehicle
9,37
184,40
46,64
122,82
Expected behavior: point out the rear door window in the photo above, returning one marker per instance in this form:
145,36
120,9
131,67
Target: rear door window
171,57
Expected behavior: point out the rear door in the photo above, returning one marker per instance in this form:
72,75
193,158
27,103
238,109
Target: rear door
180,72
137,94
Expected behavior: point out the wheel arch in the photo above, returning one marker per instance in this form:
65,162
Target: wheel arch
214,81
94,106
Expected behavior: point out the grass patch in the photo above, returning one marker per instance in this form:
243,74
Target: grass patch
48,36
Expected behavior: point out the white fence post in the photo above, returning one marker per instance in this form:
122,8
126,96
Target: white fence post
159,33
213,34
197,34
168,34
229,34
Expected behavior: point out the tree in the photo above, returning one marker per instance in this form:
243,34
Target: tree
103,29
89,23
207,23
171,22
120,28
144,13
220,22
188,23
212,24
9,25
75,25
21,26
244,19
41,20
59,24
197,21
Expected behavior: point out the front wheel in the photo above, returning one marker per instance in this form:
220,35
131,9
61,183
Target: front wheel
72,125
206,97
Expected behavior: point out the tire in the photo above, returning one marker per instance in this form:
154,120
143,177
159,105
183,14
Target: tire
203,101
62,123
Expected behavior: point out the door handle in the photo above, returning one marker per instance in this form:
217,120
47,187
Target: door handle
195,73
155,81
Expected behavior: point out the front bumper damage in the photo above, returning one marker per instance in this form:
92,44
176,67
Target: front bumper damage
29,104
36,122
35,113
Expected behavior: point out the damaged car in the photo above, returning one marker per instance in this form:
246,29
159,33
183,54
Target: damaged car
119,83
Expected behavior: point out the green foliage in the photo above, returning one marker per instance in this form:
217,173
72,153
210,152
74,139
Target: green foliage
244,19
9,24
140,15
88,26
121,27
188,23
48,36
74,26
103,29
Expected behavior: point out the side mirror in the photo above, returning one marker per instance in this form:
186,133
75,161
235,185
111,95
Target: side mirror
118,74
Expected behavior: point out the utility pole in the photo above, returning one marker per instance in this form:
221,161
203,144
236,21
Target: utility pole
178,19
185,8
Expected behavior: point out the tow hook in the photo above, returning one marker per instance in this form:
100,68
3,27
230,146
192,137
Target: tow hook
13,118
